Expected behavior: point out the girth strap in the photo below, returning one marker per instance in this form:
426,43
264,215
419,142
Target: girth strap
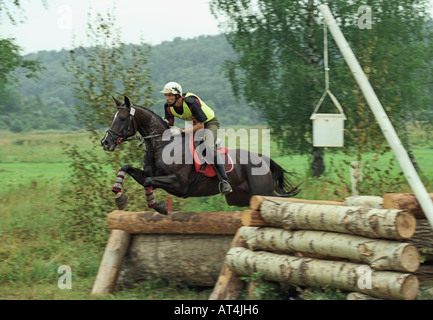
195,181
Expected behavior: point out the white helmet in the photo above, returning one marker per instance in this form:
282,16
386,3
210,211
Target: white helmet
172,87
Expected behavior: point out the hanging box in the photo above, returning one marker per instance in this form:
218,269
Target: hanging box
328,129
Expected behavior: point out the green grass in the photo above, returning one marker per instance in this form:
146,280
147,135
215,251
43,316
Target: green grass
35,241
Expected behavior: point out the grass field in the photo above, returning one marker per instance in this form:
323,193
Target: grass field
33,170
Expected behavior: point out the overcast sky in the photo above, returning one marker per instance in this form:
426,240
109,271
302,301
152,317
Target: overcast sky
52,28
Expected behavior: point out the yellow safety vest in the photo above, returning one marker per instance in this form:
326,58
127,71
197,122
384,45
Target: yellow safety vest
187,115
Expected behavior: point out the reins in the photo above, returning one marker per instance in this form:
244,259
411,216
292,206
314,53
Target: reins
121,137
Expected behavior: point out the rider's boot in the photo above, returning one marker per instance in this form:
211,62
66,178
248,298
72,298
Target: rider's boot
224,185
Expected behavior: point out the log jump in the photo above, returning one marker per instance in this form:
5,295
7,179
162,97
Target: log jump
325,242
183,246
293,241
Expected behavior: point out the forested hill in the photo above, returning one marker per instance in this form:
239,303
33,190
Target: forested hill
194,63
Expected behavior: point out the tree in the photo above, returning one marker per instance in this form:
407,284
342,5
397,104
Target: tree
10,58
104,69
107,68
280,61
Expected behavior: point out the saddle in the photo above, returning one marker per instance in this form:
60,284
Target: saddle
206,169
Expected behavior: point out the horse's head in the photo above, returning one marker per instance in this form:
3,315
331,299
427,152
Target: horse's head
122,125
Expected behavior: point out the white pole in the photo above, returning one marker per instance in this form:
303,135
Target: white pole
376,107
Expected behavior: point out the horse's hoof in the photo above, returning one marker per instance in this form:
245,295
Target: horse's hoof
161,208
121,200
147,182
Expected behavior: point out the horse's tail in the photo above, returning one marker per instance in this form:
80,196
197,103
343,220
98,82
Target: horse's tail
283,186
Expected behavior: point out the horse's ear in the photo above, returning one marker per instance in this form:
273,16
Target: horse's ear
118,103
127,102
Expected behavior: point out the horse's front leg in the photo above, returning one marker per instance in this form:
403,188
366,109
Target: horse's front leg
139,176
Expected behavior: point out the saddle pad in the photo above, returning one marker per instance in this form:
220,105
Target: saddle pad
209,171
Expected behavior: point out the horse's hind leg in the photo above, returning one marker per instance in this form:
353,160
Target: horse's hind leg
239,197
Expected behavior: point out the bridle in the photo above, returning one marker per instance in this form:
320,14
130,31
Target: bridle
120,137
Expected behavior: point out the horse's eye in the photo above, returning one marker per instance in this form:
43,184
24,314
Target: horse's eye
122,118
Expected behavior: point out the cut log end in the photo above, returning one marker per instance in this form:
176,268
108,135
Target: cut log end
405,225
410,258
410,287
404,201
252,218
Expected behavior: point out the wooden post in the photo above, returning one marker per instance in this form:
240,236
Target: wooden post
355,176
379,113
116,248
228,284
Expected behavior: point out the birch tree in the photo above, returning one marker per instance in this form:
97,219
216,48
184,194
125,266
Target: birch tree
279,67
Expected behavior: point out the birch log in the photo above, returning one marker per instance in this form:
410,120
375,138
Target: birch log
310,272
369,222
365,201
379,254
359,296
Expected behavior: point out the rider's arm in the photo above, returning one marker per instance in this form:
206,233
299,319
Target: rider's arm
168,115
194,128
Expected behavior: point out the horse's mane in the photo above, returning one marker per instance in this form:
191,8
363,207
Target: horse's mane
166,125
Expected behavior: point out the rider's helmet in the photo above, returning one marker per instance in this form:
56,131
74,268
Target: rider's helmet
172,87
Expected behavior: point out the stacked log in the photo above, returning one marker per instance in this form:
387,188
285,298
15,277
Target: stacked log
370,222
309,244
422,238
379,254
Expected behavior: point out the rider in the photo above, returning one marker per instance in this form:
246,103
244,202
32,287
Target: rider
189,107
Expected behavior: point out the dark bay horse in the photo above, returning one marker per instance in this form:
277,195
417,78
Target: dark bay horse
177,178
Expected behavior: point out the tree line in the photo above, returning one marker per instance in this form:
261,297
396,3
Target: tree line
279,46
47,101
271,56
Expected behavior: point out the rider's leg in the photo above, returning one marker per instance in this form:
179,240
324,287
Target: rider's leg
215,157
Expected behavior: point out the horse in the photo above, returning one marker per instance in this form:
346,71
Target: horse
181,179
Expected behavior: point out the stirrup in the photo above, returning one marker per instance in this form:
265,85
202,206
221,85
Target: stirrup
228,184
